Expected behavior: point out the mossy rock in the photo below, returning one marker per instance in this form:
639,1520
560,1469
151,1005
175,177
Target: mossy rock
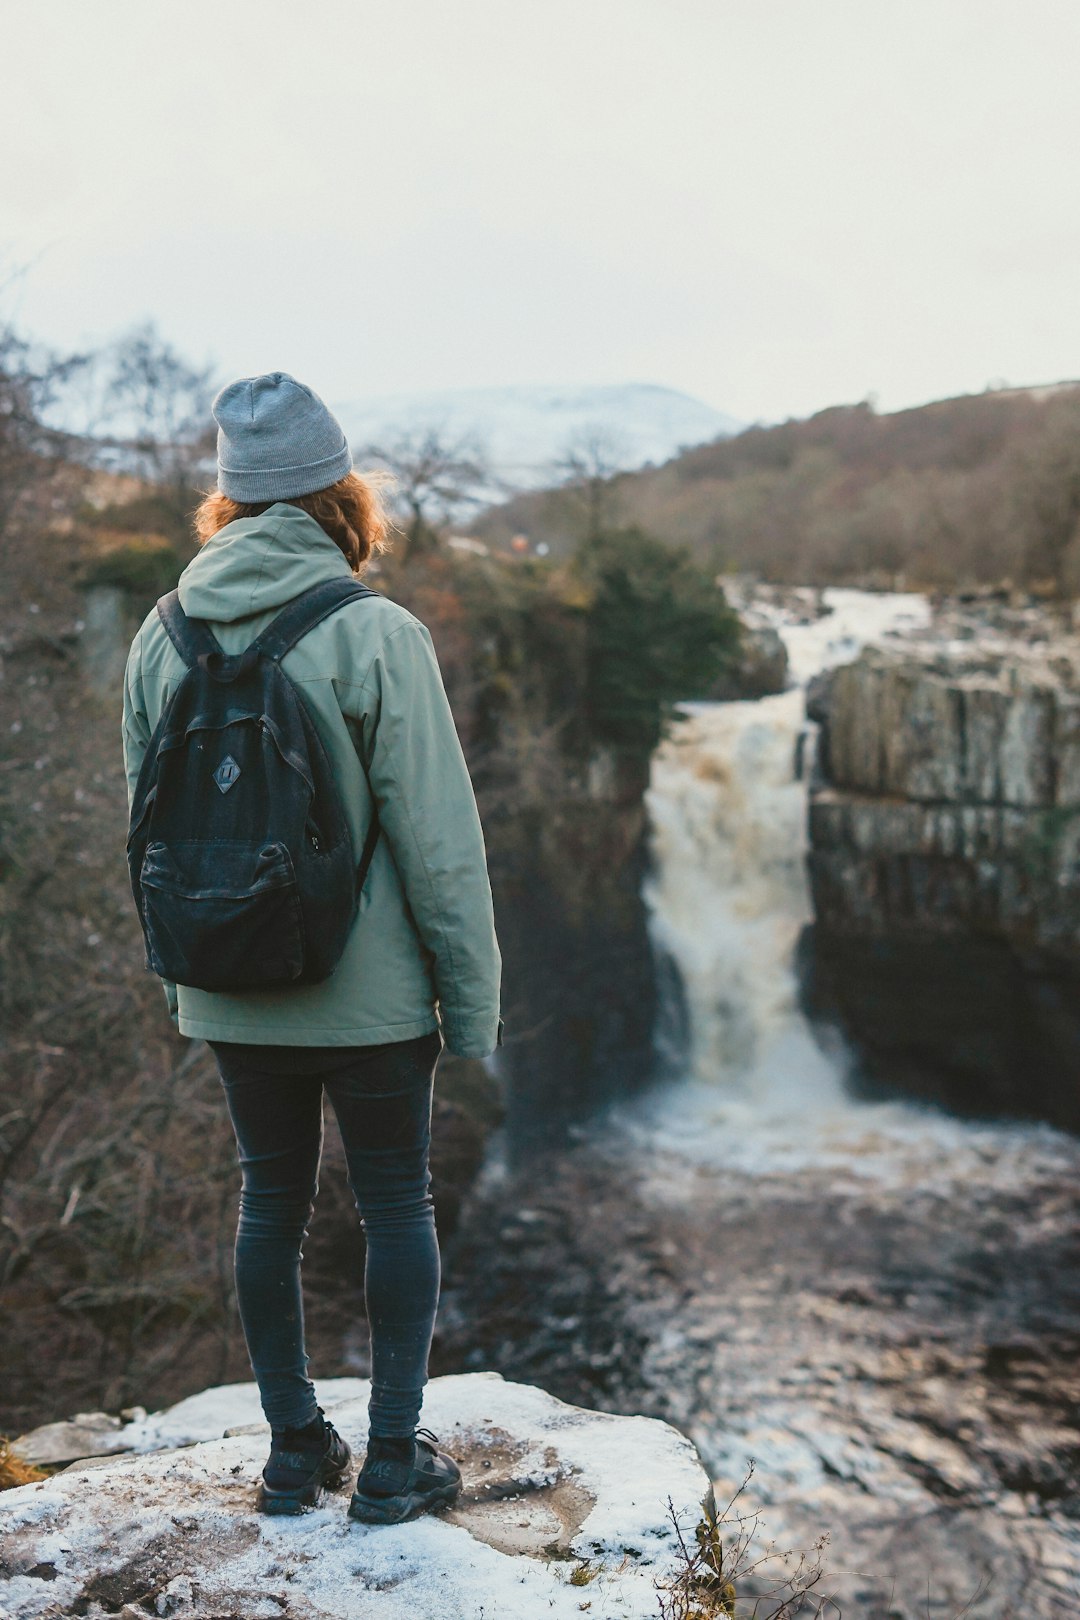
144,568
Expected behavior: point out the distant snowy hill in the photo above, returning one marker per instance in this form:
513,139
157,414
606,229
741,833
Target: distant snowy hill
525,431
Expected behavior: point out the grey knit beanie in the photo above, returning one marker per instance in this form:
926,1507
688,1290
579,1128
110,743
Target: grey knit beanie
276,439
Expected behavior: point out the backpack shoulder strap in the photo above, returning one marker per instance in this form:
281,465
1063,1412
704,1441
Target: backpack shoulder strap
192,638
304,612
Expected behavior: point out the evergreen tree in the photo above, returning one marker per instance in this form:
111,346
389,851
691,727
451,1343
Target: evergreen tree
659,631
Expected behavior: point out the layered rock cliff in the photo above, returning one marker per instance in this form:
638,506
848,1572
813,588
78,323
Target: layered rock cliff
945,867
566,875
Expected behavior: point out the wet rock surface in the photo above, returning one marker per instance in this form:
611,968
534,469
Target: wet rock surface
762,666
897,1353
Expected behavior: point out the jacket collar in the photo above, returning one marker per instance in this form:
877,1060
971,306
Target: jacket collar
259,563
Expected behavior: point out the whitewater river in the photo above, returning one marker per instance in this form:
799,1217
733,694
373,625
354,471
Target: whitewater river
877,1303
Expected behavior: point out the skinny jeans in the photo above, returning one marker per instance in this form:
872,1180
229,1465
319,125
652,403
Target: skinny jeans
381,1096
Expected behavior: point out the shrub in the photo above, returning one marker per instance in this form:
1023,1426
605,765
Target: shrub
659,629
144,568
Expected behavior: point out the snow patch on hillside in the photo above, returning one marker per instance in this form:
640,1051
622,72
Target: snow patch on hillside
525,431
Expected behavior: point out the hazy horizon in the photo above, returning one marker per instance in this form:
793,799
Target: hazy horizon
769,209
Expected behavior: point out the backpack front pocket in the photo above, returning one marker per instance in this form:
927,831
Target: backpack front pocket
222,915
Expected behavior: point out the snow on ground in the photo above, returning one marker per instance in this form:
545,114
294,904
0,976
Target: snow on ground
208,1415
549,1489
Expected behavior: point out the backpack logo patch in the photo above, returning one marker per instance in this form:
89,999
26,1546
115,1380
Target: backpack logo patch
227,773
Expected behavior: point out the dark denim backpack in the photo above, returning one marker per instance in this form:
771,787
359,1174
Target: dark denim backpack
241,861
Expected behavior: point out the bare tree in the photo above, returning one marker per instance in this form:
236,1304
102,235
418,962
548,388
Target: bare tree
1046,501
435,476
30,380
586,469
156,409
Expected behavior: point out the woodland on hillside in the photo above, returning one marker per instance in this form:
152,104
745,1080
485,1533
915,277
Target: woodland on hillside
982,490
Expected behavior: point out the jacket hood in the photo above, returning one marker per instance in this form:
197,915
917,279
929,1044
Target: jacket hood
259,563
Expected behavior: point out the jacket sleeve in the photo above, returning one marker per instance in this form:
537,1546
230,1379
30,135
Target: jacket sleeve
136,734
429,817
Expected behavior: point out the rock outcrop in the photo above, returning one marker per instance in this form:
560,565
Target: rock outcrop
567,872
556,1500
761,668
945,866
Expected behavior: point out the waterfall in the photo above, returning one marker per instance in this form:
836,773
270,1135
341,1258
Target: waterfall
728,895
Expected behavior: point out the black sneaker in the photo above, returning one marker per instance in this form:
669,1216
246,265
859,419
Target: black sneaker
302,1462
394,1485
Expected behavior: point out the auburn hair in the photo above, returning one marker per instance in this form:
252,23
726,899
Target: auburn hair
352,512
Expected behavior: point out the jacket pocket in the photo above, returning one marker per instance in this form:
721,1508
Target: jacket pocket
221,915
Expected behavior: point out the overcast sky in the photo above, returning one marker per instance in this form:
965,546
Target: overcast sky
775,205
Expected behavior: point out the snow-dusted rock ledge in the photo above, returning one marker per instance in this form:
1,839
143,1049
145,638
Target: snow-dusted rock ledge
550,1491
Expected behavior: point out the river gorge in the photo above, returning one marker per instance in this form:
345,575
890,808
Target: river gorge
784,1244
789,1151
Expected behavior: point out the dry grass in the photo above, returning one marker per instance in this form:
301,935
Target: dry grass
727,1573
13,1471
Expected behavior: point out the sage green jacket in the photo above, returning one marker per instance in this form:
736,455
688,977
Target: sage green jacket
422,950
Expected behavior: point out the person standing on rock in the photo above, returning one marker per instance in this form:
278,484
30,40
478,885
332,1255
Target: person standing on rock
420,965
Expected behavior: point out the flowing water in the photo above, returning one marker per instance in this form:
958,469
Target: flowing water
728,899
